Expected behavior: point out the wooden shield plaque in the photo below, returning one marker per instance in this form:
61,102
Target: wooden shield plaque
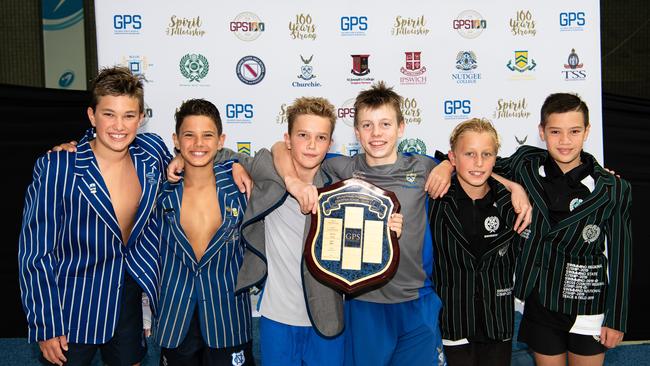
350,247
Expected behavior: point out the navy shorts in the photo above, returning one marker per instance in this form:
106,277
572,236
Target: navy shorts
479,353
128,345
194,351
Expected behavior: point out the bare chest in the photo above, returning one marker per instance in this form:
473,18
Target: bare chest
125,193
200,218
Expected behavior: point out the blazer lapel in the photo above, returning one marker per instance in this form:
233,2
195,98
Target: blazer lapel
171,206
449,208
149,177
92,186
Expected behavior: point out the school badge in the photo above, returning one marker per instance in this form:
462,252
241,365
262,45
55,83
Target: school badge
574,203
466,60
521,62
306,69
491,224
194,67
415,146
590,233
238,358
350,246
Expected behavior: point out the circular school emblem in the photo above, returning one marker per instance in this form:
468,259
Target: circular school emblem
491,224
415,146
574,203
590,233
194,66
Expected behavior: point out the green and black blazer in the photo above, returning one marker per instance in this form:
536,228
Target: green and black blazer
460,277
581,265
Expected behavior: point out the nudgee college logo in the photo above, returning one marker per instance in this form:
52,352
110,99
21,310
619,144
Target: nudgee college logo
194,67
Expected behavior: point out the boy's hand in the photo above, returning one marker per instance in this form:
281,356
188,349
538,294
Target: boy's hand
395,223
522,207
609,337
242,179
175,168
439,180
305,194
66,146
53,348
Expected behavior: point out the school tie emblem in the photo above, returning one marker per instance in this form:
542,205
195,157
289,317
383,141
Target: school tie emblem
590,233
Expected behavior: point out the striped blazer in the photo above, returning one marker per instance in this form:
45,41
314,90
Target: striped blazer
209,284
71,255
581,265
461,278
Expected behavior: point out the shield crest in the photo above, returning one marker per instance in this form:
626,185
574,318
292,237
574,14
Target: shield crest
349,246
521,59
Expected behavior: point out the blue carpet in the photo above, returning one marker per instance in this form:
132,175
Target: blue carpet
17,352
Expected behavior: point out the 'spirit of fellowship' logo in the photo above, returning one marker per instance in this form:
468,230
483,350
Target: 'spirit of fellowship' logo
415,146
466,64
523,24
247,26
590,233
179,26
360,68
522,63
194,67
250,70
573,69
302,27
411,111
517,108
346,112
413,69
491,224
469,24
306,74
406,26
244,147
281,118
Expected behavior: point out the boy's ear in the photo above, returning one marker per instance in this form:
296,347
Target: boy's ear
541,132
221,141
287,141
176,144
91,115
452,157
587,132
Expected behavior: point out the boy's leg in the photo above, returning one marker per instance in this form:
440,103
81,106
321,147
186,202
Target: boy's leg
281,344
585,350
321,351
128,345
420,342
189,351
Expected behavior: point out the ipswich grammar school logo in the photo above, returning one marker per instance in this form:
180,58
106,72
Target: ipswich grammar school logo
194,67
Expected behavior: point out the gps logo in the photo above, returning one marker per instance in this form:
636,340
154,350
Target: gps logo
239,111
127,22
353,23
572,19
346,112
452,107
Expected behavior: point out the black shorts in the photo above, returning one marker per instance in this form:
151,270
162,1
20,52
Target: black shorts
479,353
547,332
127,346
194,351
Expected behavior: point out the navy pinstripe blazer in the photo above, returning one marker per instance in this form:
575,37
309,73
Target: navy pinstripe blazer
209,284
71,255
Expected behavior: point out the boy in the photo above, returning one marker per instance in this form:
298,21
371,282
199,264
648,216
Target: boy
82,266
475,251
574,268
201,321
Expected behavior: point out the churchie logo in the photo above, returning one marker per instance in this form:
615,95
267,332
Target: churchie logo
181,26
306,74
407,26
302,27
247,26
523,24
511,108
411,111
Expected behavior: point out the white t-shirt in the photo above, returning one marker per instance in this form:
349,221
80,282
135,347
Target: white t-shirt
283,299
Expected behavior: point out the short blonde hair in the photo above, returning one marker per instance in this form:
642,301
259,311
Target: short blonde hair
311,105
478,125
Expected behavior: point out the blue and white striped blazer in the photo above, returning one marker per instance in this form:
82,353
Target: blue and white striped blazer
71,255
209,284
